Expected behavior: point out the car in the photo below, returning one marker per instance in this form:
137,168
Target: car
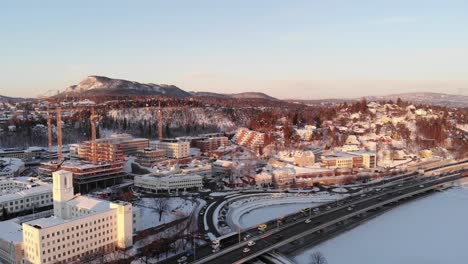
251,243
328,208
363,195
350,208
308,221
246,250
246,237
182,259
201,213
421,186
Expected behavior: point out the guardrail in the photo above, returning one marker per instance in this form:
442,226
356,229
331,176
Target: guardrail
332,222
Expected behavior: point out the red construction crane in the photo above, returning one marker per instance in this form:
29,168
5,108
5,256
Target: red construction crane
59,133
93,118
160,134
49,129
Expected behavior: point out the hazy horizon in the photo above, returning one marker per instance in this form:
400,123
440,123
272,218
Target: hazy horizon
293,49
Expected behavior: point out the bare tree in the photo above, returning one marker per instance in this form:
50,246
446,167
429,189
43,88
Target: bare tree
318,258
162,205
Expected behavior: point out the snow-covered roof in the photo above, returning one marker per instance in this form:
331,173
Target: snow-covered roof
223,163
46,222
11,231
43,189
90,203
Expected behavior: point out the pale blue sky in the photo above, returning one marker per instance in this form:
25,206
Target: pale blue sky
302,49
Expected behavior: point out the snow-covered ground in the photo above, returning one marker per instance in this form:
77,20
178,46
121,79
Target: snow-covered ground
250,210
431,230
264,214
177,208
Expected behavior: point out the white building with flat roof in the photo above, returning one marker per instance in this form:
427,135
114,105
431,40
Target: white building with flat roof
11,240
23,194
81,228
168,183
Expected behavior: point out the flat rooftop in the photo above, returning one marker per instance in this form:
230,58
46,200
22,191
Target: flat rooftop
11,231
46,222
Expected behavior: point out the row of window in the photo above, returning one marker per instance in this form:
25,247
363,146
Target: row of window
101,249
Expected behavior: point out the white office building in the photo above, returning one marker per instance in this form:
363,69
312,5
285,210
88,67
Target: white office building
168,183
81,228
20,194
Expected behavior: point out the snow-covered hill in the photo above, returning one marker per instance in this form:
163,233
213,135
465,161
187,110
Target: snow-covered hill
100,85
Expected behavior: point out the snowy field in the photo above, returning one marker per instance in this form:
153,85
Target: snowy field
264,214
177,208
432,230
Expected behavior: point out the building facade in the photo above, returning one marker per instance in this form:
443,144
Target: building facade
150,157
174,148
169,183
81,228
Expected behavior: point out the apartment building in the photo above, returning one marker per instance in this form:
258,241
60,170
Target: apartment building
251,139
174,148
211,143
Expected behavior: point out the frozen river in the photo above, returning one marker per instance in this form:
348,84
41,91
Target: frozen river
431,230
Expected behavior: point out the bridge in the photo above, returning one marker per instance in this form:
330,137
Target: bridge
325,219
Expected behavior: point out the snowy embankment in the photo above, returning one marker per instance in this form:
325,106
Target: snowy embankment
429,230
281,204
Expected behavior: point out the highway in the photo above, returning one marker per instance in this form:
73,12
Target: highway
272,240
293,227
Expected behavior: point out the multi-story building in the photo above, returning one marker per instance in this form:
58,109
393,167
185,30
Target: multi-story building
251,139
113,148
18,196
82,228
11,243
150,157
355,159
222,168
87,176
169,183
283,177
27,154
174,148
11,167
211,143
